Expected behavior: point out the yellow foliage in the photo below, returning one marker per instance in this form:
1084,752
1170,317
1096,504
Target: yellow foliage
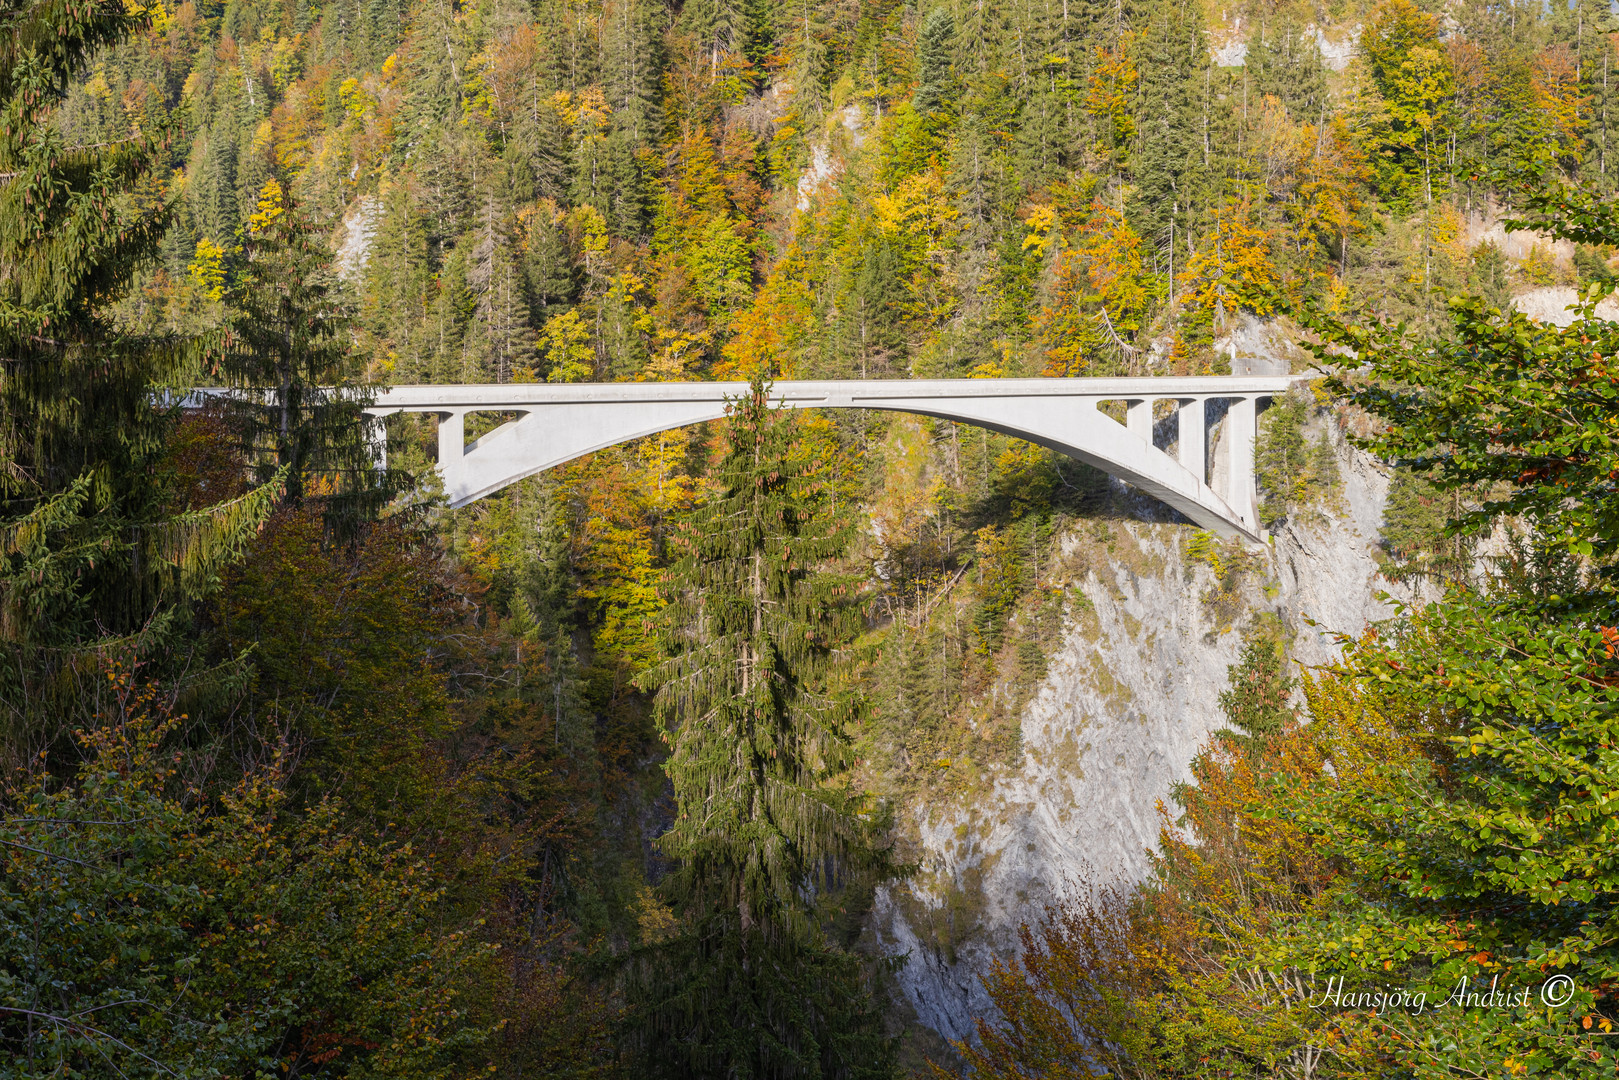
565,343
588,107
1537,267
272,204
1043,224
655,918
919,206
1556,86
354,98
97,86
1234,270
207,270
263,138
763,333
284,60
1110,89
154,11
1099,294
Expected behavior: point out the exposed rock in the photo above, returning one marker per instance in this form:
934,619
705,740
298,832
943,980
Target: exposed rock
1228,45
1338,48
1484,224
1129,698
358,231
1260,347
1554,304
827,157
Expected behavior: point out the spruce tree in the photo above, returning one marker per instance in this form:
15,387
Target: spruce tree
298,403
1257,701
90,555
500,341
1171,160
935,82
750,985
1286,65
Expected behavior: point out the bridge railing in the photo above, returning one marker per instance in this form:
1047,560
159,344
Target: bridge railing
559,422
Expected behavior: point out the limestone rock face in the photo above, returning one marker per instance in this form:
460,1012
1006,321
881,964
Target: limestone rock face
1129,698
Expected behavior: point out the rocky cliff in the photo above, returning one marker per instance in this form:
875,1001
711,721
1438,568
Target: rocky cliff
1129,698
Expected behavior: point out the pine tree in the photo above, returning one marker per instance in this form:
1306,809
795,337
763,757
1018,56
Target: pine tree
750,986
88,552
299,406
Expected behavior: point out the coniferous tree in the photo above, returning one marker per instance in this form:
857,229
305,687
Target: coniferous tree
1170,162
750,985
632,62
1257,701
935,83
299,405
1287,65
89,553
500,341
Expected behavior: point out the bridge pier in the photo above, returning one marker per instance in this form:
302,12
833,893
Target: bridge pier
1241,428
1193,446
557,423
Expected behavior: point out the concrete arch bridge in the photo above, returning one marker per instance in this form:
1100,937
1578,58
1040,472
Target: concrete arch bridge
559,422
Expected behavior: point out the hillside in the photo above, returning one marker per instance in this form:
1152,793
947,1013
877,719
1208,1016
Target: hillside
604,190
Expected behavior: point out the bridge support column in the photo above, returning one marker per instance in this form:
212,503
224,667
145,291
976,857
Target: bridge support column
1138,418
1194,439
1241,426
376,440
452,441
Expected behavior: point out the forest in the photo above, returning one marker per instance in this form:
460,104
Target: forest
307,774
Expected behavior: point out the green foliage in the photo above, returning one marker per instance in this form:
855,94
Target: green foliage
1000,584
1516,410
1416,532
760,743
1591,265
299,408
338,636
934,78
88,551
1257,702
1494,719
149,934
1292,470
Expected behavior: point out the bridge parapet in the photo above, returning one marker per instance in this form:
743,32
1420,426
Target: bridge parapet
560,422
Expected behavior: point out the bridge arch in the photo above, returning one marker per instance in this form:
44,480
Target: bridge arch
559,422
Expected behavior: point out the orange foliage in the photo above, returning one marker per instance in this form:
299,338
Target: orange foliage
1110,89
1171,980
1099,294
1233,269
766,331
1555,81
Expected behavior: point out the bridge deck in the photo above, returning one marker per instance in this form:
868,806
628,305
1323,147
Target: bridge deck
561,421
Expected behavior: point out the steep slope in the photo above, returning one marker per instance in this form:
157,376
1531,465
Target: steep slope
1129,698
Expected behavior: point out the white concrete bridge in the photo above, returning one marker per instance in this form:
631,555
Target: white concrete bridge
559,422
